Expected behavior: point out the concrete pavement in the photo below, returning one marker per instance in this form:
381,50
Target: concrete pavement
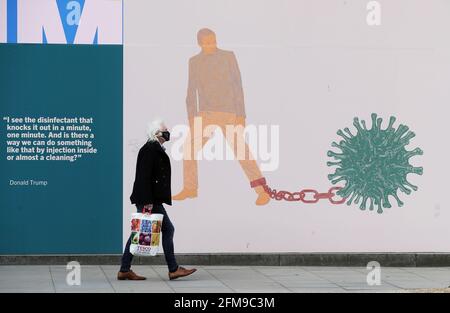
233,279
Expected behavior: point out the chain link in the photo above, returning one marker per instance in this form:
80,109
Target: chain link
305,195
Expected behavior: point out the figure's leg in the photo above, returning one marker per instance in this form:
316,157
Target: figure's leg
234,134
193,144
190,150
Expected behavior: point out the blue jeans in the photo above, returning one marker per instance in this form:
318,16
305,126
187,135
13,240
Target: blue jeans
167,230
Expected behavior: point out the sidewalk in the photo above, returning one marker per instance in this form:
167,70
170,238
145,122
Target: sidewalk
95,278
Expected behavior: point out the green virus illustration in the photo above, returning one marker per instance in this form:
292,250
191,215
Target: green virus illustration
374,163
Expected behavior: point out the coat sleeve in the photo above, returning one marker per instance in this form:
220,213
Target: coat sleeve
143,183
191,97
237,85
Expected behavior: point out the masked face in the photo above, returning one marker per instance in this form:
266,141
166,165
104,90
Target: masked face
165,135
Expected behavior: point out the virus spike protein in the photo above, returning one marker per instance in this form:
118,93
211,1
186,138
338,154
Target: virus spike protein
374,163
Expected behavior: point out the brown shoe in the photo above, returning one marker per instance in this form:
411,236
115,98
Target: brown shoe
130,275
181,272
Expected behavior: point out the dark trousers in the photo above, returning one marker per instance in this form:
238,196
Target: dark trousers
167,231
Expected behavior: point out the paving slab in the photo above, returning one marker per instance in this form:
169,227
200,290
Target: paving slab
225,279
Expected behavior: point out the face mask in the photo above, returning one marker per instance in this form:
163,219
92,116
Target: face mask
165,135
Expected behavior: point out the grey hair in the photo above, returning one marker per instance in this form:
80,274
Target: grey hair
153,129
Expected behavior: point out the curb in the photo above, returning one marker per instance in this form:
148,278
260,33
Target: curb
253,259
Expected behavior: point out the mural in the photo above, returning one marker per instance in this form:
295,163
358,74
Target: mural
374,163
292,77
214,99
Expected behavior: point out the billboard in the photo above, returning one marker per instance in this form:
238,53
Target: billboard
342,103
61,126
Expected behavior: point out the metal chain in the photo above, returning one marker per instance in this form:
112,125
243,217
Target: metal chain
305,195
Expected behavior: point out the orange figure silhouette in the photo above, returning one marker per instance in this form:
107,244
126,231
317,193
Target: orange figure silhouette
215,98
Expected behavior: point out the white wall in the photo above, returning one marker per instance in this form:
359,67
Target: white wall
309,66
3,21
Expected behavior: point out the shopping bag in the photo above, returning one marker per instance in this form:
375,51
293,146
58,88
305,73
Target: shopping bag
145,233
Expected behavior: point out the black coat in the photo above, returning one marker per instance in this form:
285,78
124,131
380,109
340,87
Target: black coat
152,182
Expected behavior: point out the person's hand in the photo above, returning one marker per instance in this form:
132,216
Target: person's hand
240,120
147,208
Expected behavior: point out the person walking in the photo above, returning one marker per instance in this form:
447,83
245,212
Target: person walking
150,190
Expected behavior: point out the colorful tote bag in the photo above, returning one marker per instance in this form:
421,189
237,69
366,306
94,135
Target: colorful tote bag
145,233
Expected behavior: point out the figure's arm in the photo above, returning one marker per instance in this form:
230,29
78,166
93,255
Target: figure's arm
191,98
237,86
